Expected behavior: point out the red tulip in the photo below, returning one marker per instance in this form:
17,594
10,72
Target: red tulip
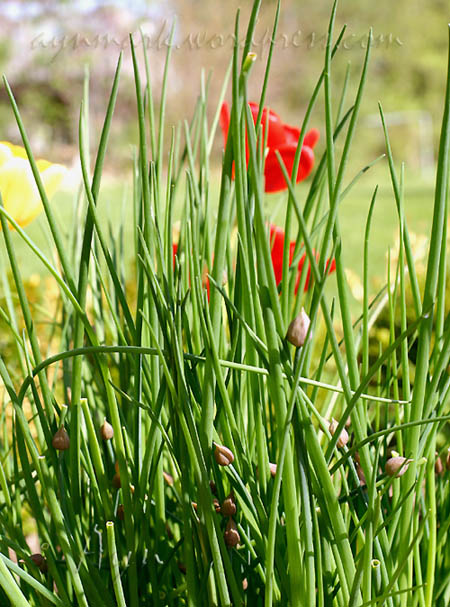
277,245
283,138
174,252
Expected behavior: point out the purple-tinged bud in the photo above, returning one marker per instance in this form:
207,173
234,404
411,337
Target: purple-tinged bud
298,329
343,437
397,466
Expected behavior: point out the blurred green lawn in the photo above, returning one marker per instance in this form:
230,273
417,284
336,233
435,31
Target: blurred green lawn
115,208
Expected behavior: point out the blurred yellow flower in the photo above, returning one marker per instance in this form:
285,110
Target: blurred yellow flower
355,284
17,186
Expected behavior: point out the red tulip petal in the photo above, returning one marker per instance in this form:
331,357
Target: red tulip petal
174,251
282,137
272,171
277,244
299,273
274,180
224,120
254,108
331,266
311,138
292,134
277,238
276,135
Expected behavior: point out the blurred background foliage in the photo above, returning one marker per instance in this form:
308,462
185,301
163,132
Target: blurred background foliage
45,46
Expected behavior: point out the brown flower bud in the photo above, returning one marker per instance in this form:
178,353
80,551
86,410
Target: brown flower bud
61,440
298,329
343,437
117,483
40,562
438,465
447,461
216,505
212,486
120,512
228,507
106,431
273,469
231,535
397,466
223,455
361,476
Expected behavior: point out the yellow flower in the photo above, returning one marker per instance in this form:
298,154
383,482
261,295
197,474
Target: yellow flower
17,186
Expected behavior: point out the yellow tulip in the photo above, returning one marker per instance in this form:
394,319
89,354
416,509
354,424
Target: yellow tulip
17,186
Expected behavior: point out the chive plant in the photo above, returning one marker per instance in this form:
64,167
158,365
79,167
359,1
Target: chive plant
195,459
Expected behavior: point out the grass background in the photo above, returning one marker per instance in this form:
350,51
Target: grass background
115,210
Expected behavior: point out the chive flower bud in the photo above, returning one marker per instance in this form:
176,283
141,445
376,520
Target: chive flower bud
106,431
273,469
343,437
397,466
40,562
231,535
61,440
223,455
228,507
298,329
